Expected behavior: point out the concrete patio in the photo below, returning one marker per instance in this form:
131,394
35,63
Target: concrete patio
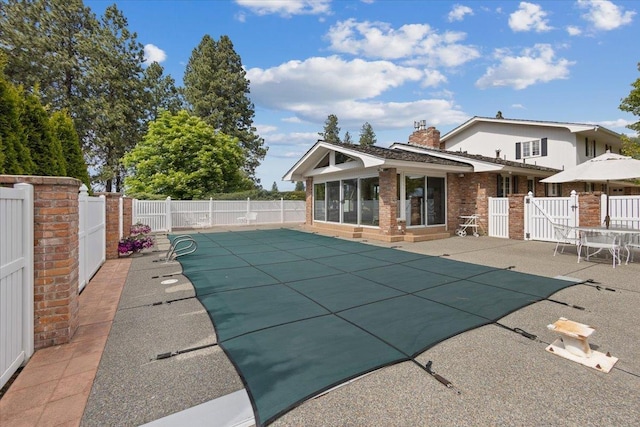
504,378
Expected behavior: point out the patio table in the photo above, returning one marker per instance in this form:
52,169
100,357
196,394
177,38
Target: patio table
612,239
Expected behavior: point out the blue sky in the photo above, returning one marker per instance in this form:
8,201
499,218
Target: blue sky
391,63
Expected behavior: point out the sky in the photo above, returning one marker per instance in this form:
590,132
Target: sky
390,63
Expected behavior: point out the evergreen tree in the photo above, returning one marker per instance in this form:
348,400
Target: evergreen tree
15,157
347,138
162,93
64,132
299,186
367,135
116,98
274,188
631,103
217,91
331,132
45,150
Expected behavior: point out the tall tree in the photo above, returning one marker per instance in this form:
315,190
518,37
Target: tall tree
217,91
299,186
183,157
63,130
116,97
367,135
15,157
274,187
632,103
161,91
347,138
331,131
46,151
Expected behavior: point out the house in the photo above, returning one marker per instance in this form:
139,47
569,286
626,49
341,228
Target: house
418,190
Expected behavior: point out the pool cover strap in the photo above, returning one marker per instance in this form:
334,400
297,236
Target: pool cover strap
299,313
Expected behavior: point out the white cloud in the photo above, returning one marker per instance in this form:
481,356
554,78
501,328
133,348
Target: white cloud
529,17
573,30
619,123
415,43
293,119
153,54
518,106
535,65
433,78
241,17
294,85
604,15
458,12
287,8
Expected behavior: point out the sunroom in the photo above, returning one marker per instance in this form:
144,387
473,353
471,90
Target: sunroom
362,191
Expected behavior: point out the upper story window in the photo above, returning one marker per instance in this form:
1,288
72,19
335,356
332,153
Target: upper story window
324,162
343,158
533,148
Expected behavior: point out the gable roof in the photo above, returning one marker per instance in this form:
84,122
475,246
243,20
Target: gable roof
572,127
372,156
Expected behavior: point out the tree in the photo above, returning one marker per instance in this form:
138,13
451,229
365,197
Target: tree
367,135
15,157
631,103
274,188
64,132
299,186
217,90
331,132
183,157
45,150
162,93
116,97
631,146
347,138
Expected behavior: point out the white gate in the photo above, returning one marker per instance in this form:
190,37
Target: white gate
499,217
91,235
16,278
541,212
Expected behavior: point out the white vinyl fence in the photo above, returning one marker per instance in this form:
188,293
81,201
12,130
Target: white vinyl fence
16,278
165,215
92,251
499,217
541,212
624,211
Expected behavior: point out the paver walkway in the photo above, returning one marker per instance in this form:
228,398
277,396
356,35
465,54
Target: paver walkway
53,388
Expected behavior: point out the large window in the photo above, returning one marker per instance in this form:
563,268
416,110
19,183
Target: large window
350,201
414,204
319,202
370,200
436,201
333,201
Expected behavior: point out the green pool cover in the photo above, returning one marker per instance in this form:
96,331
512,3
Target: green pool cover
298,313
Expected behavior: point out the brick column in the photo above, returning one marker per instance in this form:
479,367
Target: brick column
589,205
127,215
516,216
309,201
112,219
388,212
55,253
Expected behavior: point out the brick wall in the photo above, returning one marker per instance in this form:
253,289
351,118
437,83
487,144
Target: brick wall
55,236
127,215
429,137
516,216
112,226
467,195
589,205
388,208
309,202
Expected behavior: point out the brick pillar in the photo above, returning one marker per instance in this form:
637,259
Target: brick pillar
55,269
516,216
309,201
112,219
388,206
589,205
127,215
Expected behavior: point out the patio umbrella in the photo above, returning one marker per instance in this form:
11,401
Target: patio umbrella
604,168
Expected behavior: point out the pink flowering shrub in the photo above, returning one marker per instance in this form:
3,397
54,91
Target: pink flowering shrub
138,240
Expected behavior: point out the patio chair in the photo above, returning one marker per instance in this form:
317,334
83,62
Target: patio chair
565,235
250,216
598,242
632,242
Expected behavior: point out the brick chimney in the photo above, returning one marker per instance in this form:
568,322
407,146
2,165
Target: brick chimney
425,136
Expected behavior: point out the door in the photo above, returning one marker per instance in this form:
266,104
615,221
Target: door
350,201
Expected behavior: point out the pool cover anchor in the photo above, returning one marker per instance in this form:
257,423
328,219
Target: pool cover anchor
169,354
442,380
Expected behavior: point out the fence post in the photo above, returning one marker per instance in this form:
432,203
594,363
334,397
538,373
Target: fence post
527,215
27,277
574,220
83,212
120,218
168,213
210,212
248,206
103,258
282,210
